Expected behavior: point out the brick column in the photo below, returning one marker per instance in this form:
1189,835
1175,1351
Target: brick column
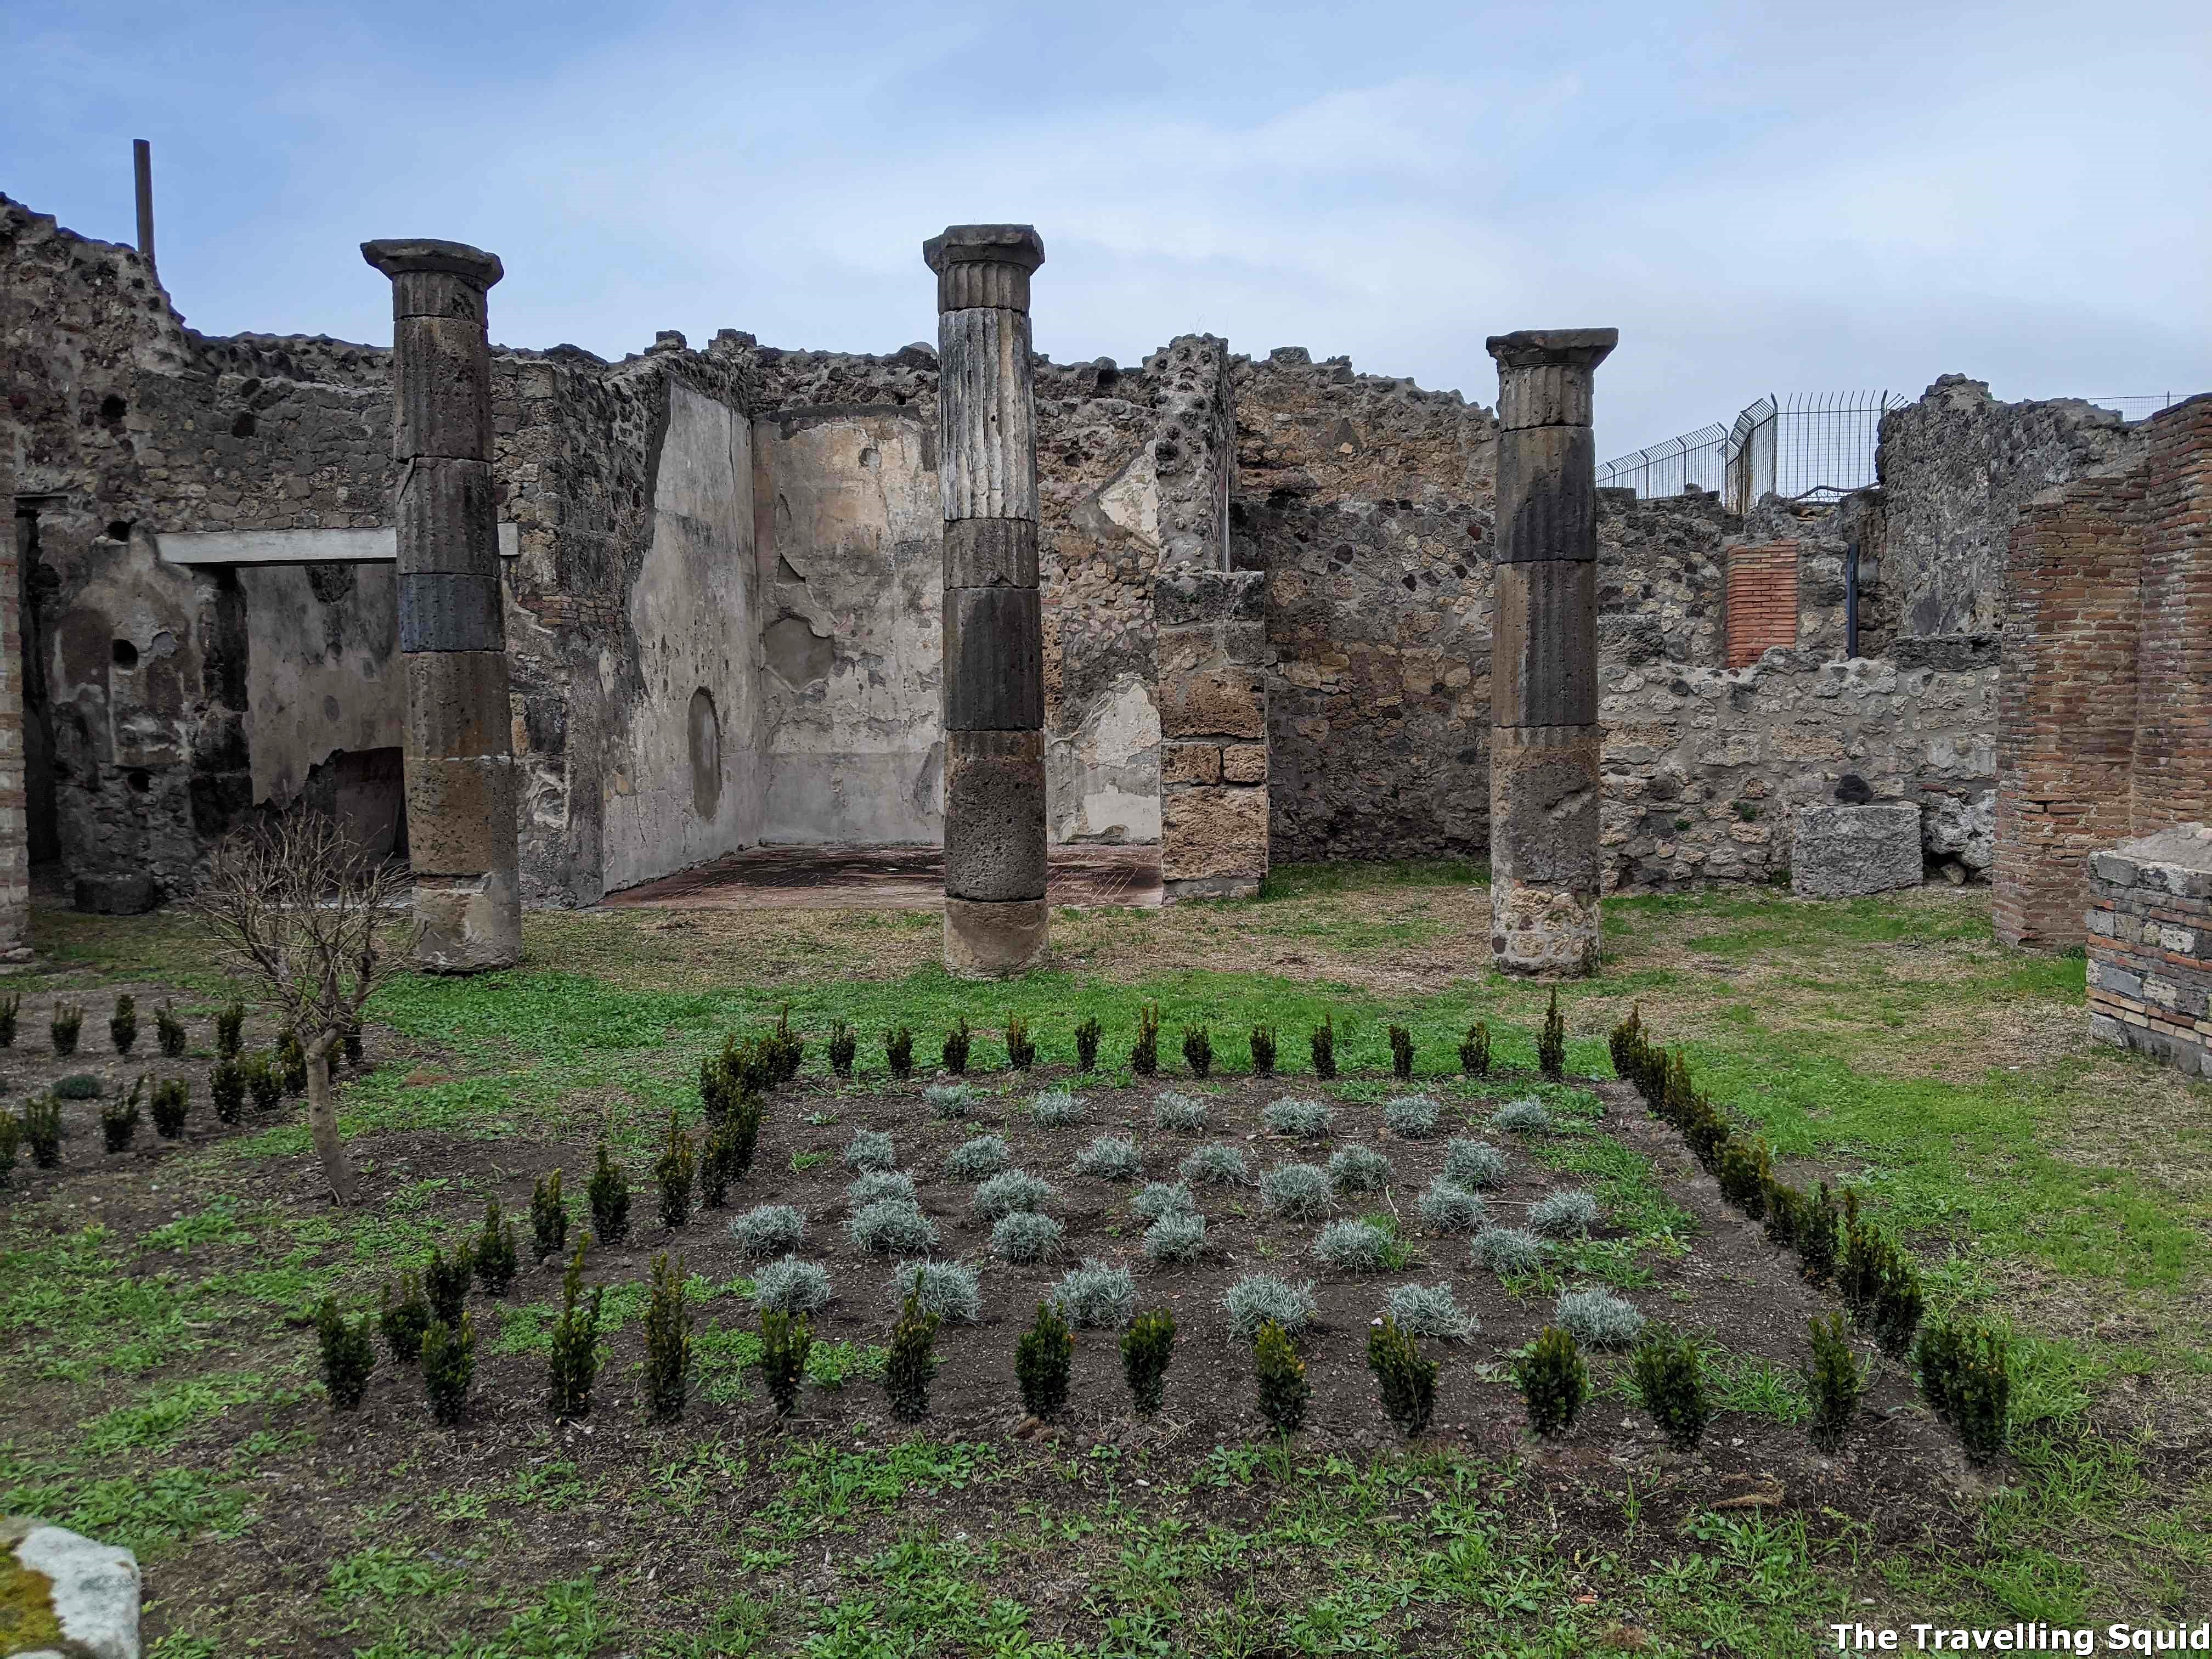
1544,738
453,642
994,818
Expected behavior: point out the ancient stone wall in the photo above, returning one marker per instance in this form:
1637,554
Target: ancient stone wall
2149,929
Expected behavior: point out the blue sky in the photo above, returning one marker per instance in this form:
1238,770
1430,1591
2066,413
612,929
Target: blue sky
1776,197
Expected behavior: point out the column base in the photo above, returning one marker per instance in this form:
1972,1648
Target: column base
1210,887
1542,930
988,940
467,924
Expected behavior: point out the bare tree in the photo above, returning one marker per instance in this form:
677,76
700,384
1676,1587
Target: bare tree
299,906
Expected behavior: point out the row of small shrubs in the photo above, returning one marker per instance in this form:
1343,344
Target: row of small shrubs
65,1025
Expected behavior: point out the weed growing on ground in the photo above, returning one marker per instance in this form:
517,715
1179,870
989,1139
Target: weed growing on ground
1110,1158
1429,1310
1146,1347
1258,1299
1281,1376
767,1229
1298,1192
1044,1359
1405,1382
1358,1170
978,1159
1554,1382
791,1286
945,1291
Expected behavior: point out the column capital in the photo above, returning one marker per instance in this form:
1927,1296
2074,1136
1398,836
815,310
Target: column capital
1544,374
1543,347
407,256
984,265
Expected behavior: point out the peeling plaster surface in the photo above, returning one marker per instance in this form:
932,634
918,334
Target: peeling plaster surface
321,675
1103,782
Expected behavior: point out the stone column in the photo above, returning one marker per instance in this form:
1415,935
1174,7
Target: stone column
994,820
459,742
14,817
1544,735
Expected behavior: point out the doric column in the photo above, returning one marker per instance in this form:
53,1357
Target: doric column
994,822
1544,736
459,743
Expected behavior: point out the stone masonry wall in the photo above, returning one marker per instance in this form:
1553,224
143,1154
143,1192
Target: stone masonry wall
2150,946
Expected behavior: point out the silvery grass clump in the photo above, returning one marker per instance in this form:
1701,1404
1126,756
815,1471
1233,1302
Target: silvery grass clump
948,1100
1358,1170
791,1286
767,1230
871,1150
1096,1296
1448,1207
1525,1116
877,1185
1024,1236
1355,1246
1008,1191
1256,1298
1569,1213
1508,1251
1217,1165
1163,1198
1299,1191
1413,1117
1429,1310
1110,1158
1474,1164
1177,1236
1307,1120
889,1226
1179,1114
952,1292
1598,1319
1055,1108
978,1159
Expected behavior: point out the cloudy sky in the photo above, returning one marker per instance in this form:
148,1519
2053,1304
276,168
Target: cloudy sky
1762,198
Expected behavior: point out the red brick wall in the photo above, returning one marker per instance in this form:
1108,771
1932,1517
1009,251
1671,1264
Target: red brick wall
2170,780
1762,601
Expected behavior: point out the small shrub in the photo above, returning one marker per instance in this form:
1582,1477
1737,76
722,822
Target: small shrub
349,1044
667,1343
348,1356
1406,1383
1217,1165
171,1105
1745,1170
1401,1053
496,1256
262,1082
548,1215
77,1085
1110,1158
445,1282
1474,1164
1430,1310
1263,1051
1448,1207
719,1155
1411,1117
1474,1050
229,1031
950,1102
1358,1170
1086,1045
1569,1213
1198,1050
946,1290
404,1318
1878,1282
1145,1052
1179,1114
118,1121
1598,1318
1363,1246
608,1192
1817,1236
767,1230
786,1341
1259,1299
1668,1377
877,1185
1096,1296
1527,1116
574,1363
1056,1109
673,1172
1021,1051
1509,1252
1146,1347
898,1051
1281,1376
1161,1198
291,1065
1786,1204
1322,1046
10,1007
1965,1373
42,1130
1177,1237
843,1047
123,1023
11,1136
1024,1236
911,1362
449,1366
1554,1381
1832,1377
954,1055
871,1150
891,1226
791,1286
227,1089
63,1026
1552,1042
1008,1191
1044,1359
978,1159
1305,1120
1298,1192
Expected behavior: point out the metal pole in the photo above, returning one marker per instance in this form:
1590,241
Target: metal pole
142,166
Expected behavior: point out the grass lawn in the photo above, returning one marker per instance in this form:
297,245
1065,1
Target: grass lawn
159,1370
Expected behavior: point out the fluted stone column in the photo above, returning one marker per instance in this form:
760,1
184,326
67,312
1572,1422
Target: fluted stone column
994,822
1544,737
452,641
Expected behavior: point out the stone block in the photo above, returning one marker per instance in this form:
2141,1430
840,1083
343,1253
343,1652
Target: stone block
441,393
989,940
1846,852
1244,762
1544,801
460,814
1191,763
457,703
994,660
1548,507
448,518
448,611
995,815
467,925
64,1593
1227,701
1542,930
1215,832
130,893
991,553
1543,660
1188,597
